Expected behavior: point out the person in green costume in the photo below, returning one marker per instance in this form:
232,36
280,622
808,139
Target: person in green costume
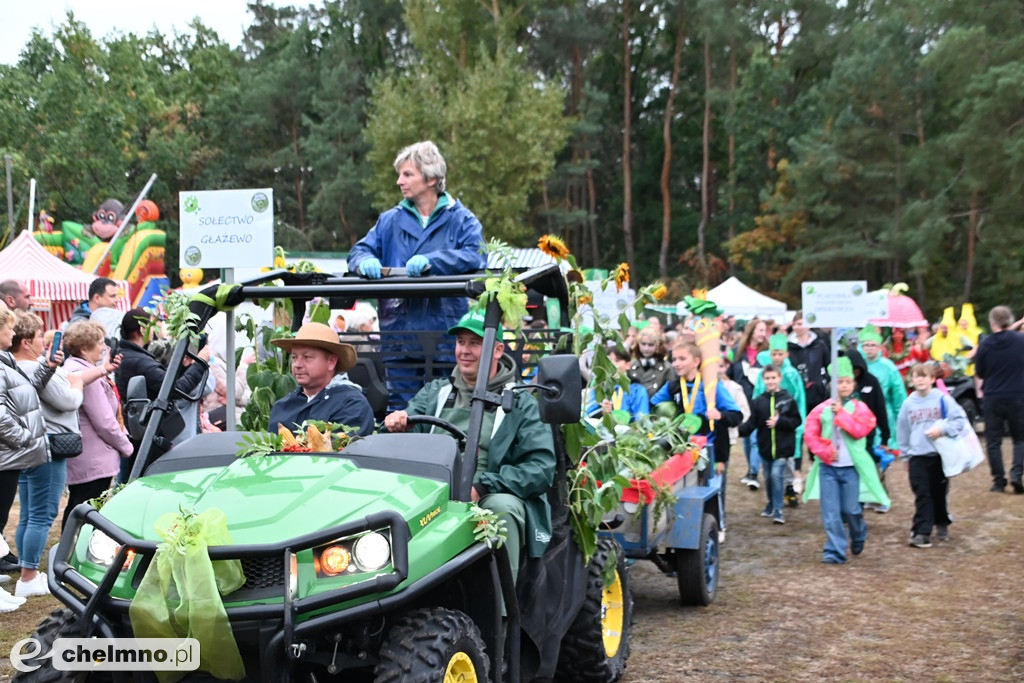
894,390
843,474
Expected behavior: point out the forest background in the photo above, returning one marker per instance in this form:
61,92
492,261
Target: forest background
777,140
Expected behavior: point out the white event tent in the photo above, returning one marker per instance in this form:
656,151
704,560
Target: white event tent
737,299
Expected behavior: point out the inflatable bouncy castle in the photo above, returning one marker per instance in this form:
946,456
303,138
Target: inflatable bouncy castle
136,256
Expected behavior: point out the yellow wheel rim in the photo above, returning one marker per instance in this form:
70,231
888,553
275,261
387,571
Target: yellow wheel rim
460,669
612,616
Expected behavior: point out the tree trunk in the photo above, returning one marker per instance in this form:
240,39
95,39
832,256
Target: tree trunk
666,135
627,117
705,172
733,81
973,225
591,207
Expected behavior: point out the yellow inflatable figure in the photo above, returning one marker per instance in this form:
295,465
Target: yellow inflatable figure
968,334
946,339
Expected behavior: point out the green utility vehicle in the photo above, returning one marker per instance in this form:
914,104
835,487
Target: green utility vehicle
420,598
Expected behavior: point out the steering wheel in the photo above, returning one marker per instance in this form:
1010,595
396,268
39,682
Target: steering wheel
459,435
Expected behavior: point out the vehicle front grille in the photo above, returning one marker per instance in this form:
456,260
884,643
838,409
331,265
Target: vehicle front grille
262,572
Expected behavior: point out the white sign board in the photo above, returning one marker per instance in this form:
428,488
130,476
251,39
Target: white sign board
841,303
226,228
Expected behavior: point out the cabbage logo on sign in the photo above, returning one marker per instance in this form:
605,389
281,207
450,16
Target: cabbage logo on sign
260,202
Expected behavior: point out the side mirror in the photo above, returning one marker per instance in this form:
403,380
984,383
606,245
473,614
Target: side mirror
560,385
136,407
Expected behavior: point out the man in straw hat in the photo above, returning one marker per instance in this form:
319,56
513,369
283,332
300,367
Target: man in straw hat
320,365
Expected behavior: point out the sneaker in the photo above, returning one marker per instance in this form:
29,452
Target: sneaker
777,518
4,578
941,533
767,512
9,563
920,541
8,599
881,509
33,587
745,480
857,548
997,488
1017,486
753,484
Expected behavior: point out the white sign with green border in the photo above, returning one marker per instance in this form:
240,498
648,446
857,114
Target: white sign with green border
845,303
226,228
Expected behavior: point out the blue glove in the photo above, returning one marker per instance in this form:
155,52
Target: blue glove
370,268
416,265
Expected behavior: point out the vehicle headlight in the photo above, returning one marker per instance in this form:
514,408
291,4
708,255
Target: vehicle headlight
371,551
335,559
102,548
293,575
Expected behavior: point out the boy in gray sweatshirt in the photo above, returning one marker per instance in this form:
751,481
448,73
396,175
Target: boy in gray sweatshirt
926,415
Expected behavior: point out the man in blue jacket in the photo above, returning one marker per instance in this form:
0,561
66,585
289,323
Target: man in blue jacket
320,364
428,230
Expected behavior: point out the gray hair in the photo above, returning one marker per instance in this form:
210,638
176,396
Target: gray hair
426,157
1000,317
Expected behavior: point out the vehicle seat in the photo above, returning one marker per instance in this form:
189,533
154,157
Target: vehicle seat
364,373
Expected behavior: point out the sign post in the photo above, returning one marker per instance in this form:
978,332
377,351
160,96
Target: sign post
836,304
227,229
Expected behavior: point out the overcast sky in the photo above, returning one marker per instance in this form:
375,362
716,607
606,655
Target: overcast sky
103,17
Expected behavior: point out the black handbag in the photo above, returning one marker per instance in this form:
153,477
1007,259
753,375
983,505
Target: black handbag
65,445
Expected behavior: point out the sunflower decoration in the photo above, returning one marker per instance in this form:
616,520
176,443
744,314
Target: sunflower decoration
621,276
585,299
659,291
553,247
312,436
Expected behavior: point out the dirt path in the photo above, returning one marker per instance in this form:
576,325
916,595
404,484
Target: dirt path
952,612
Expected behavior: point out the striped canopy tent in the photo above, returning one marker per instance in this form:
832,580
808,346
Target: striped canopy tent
56,287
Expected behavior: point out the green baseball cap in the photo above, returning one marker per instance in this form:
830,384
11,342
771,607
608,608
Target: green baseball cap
474,322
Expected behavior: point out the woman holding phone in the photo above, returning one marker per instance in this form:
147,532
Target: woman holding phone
40,488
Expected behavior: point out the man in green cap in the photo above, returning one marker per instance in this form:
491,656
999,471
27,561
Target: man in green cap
844,474
516,463
894,391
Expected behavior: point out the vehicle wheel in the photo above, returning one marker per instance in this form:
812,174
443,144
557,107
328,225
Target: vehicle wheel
970,406
433,646
596,646
58,625
697,570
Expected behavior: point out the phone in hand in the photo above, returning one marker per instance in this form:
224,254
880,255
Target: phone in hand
113,345
55,346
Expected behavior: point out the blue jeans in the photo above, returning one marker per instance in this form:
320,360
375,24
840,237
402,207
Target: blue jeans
753,455
840,491
39,489
775,480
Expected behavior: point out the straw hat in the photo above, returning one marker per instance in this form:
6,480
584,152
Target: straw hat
321,336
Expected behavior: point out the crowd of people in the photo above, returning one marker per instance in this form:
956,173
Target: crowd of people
892,401
62,427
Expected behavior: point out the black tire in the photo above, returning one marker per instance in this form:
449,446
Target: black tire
428,645
697,569
60,624
970,407
596,646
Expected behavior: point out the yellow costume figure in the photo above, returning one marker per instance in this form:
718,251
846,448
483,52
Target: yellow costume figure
968,333
946,339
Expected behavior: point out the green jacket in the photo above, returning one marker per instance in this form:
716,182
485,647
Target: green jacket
520,452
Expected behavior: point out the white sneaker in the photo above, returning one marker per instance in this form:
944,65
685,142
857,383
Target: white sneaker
7,600
33,587
4,578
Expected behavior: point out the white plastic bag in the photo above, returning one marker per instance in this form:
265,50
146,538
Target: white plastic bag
960,453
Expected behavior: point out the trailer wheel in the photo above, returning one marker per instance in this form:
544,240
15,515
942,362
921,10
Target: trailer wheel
697,569
433,646
596,646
